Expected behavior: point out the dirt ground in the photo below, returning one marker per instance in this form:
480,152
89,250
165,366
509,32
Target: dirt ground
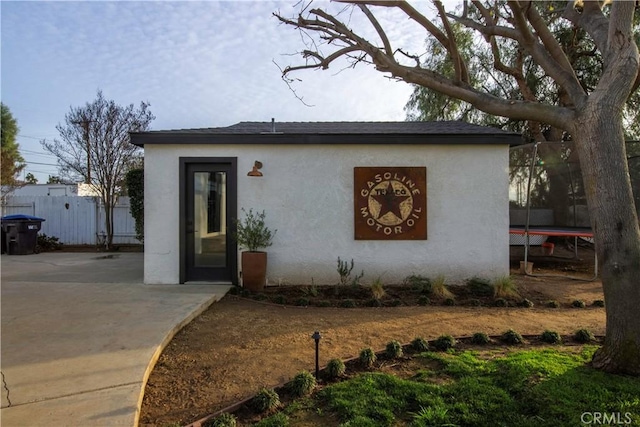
239,345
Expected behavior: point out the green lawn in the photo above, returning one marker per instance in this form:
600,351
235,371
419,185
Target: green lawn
536,387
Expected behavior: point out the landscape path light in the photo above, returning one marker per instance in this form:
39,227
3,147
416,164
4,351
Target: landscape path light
316,337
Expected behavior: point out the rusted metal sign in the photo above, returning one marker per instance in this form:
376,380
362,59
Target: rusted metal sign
390,203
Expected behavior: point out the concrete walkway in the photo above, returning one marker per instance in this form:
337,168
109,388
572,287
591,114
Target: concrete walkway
81,333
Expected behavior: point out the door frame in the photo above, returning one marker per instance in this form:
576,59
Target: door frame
232,210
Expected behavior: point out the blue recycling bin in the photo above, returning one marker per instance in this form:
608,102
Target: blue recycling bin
20,234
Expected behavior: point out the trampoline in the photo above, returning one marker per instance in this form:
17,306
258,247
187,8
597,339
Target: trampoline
546,195
575,232
546,198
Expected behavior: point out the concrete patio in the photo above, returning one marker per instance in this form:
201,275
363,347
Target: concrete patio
81,333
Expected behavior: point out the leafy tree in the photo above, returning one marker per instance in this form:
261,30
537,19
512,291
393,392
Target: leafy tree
94,146
12,161
135,188
54,179
30,179
589,107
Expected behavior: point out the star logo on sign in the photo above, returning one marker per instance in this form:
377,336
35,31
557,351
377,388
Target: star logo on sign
389,201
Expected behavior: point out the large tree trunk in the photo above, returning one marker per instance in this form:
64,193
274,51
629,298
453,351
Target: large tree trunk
600,142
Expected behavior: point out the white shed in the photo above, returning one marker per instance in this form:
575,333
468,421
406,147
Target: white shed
399,198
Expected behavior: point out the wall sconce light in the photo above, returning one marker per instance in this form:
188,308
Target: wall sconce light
256,169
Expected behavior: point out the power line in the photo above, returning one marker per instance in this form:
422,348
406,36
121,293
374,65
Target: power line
37,171
44,164
33,137
36,153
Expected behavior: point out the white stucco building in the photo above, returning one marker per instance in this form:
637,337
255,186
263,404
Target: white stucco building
399,198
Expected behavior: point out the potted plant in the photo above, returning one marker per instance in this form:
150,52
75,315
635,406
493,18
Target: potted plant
252,234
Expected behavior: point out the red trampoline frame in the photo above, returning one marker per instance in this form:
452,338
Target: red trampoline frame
551,231
574,232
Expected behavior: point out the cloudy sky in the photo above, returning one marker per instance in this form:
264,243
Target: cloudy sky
199,64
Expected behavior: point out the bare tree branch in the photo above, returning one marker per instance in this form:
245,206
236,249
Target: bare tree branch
592,20
548,39
459,65
288,81
565,78
379,30
327,24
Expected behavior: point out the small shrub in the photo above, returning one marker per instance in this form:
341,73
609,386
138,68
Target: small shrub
266,400
500,302
347,303
311,291
439,288
323,303
374,302
420,344
450,302
578,304
551,337
505,287
260,297
46,243
475,302
251,232
277,420
368,358
444,342
424,300
335,368
279,299
377,289
480,338
598,303
553,304
302,302
584,336
394,349
245,293
436,415
419,283
512,337
395,302
224,420
480,287
344,270
235,290
302,384
526,303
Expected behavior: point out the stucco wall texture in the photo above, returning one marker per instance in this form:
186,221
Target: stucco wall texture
307,193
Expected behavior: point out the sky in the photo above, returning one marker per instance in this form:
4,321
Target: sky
198,64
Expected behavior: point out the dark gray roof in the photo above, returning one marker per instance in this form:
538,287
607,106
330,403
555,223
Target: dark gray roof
333,133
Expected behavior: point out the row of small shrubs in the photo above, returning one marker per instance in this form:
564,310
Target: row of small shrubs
268,401
576,303
503,290
424,300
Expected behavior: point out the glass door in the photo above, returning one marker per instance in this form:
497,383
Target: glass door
210,252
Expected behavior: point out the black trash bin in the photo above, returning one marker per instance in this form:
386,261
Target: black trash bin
20,234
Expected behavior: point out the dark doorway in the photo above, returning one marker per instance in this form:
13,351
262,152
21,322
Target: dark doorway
208,252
